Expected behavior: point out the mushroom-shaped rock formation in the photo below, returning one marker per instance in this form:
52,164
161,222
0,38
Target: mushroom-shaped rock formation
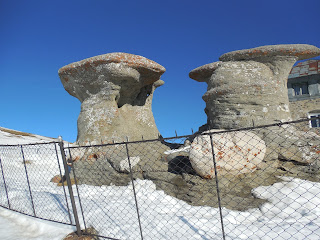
249,86
115,91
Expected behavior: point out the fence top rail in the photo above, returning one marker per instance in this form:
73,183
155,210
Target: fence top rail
42,218
160,138
219,131
28,144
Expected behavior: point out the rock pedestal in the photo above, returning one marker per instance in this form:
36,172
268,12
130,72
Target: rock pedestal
115,91
249,87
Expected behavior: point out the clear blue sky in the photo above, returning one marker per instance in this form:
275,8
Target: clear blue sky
38,37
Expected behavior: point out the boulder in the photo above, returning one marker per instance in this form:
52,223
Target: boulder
115,91
235,153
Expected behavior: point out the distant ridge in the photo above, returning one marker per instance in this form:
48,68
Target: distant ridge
9,136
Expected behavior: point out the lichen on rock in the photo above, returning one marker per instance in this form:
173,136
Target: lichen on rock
249,87
115,91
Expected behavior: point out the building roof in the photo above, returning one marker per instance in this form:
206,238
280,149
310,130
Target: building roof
305,68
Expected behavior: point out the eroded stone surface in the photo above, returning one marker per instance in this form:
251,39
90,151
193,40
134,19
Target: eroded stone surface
235,153
201,74
298,51
115,91
249,87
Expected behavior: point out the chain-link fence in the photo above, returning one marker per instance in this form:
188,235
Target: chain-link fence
253,183
25,182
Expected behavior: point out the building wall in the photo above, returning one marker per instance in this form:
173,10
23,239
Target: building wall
300,109
313,86
307,74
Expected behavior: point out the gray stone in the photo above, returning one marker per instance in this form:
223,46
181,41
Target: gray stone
106,165
115,91
248,87
297,51
98,173
125,164
289,144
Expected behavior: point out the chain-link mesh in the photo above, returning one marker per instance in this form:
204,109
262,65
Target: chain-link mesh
257,183
26,187
254,183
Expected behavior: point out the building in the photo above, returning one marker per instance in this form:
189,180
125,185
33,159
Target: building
304,91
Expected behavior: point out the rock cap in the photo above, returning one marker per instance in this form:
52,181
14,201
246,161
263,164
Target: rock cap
300,51
135,61
201,73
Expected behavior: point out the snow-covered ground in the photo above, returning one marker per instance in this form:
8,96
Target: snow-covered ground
8,137
293,211
15,226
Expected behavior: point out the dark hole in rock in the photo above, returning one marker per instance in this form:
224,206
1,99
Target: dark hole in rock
179,165
135,100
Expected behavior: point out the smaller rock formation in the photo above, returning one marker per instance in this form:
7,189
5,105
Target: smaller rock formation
115,91
235,153
249,87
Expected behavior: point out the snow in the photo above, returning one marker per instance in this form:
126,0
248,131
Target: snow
20,227
292,211
184,149
8,137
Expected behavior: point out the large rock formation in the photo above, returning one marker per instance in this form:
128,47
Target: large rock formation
115,91
249,87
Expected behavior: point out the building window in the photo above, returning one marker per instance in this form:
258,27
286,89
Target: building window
314,120
300,89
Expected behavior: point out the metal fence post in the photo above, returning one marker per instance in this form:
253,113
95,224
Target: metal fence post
63,187
217,184
25,168
75,180
73,204
134,190
5,185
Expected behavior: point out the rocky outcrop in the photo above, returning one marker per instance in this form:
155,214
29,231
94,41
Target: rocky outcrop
115,91
109,164
249,87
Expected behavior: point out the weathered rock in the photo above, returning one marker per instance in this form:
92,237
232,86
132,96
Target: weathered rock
108,165
235,153
298,51
115,91
125,165
98,173
290,144
248,87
